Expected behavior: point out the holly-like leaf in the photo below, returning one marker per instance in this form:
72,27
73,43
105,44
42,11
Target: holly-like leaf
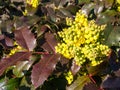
98,69
21,67
9,84
9,42
25,38
43,69
6,62
50,43
6,42
114,37
79,83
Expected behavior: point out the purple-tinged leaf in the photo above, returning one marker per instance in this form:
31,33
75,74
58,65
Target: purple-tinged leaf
91,86
25,38
64,60
111,82
1,37
75,68
9,42
6,42
42,30
50,43
43,69
12,60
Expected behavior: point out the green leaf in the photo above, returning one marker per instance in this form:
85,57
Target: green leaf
21,67
114,37
72,8
83,1
9,84
107,32
12,60
79,83
66,12
93,70
87,8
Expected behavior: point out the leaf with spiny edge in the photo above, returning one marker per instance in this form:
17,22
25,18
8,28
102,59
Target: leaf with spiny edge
25,38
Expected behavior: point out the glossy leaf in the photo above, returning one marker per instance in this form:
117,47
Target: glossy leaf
66,12
9,84
87,8
25,38
50,43
23,21
21,67
43,69
9,42
79,83
107,32
106,17
6,62
51,14
93,70
114,37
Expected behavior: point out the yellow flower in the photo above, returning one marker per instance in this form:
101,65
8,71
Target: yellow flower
69,77
82,40
25,12
16,49
33,3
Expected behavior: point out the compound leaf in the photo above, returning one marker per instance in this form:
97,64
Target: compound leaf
6,62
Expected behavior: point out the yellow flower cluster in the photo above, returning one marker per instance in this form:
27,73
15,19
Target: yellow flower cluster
16,49
69,77
82,40
33,3
118,7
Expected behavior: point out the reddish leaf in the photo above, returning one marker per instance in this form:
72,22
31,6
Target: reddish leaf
50,43
43,69
90,86
64,60
42,30
6,62
25,38
75,68
1,37
8,41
